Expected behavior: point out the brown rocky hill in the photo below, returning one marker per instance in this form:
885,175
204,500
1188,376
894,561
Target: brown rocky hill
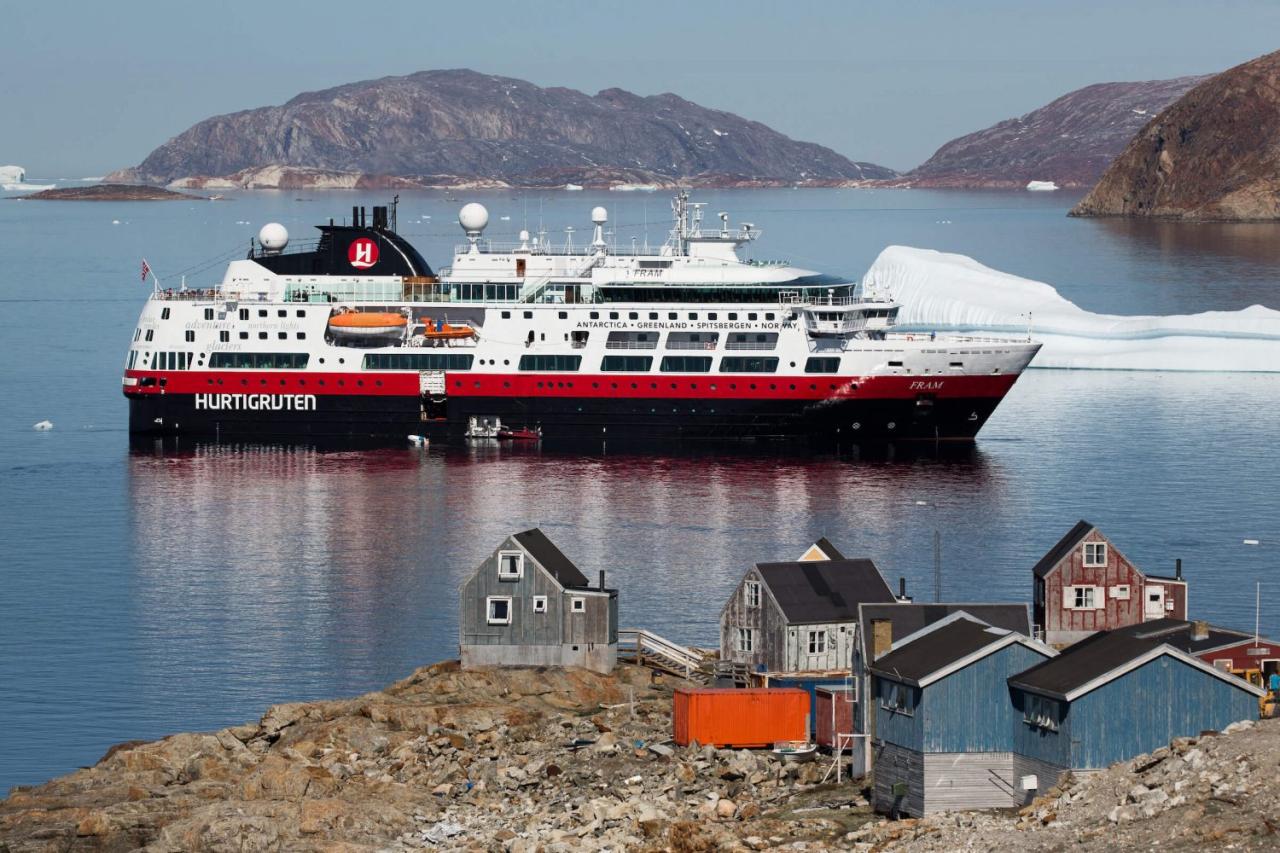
1212,155
1069,141
460,127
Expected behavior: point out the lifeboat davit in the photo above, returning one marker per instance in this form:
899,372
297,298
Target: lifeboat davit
438,330
367,324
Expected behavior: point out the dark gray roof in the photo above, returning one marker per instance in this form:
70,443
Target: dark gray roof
832,552
937,650
1163,578
906,619
1180,634
1063,548
550,558
824,590
1085,661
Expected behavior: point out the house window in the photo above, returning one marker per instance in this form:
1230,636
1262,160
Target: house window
510,565
1082,597
578,605
539,604
1040,711
746,640
1095,554
498,609
817,642
1223,664
752,590
896,697
1120,592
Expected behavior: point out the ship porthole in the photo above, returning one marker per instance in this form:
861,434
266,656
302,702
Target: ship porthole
892,424
856,425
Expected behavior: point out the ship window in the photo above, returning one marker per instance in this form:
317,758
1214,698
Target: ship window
506,315
563,315
653,315
164,314
244,313
693,315
673,316
895,364
498,609
258,360
635,363
224,336
759,340
282,335
712,316
633,316
733,315
244,336
613,315
190,336
686,364
418,361
208,313
753,316
818,364
742,364
595,315
262,336
137,333
770,316
528,315
151,333
301,313
550,362
302,336
282,313
262,312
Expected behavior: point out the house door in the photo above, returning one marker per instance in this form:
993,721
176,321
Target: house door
1155,602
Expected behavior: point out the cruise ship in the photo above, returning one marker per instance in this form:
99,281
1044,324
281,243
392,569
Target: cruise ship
354,335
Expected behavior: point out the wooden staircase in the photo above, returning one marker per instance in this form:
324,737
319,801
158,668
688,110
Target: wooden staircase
638,646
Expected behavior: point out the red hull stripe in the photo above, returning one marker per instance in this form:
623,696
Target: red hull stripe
666,386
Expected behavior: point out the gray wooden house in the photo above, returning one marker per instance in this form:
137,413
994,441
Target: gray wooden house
529,605
798,616
945,725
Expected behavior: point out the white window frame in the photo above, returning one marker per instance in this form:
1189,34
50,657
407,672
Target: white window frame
897,699
578,604
1120,592
1218,664
539,604
817,641
1069,597
488,609
746,639
751,593
502,562
1039,712
1099,551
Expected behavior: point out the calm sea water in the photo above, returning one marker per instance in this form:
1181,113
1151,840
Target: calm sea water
143,593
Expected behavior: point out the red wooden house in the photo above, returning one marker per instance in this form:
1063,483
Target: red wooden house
1252,658
1084,584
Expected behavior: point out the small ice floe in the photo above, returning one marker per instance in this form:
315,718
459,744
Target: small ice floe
115,222
1041,186
573,188
43,426
505,218
419,440
242,222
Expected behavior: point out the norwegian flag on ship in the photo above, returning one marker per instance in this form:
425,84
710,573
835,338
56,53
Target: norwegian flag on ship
146,270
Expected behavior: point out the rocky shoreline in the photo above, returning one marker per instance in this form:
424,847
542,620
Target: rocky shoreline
110,192
553,760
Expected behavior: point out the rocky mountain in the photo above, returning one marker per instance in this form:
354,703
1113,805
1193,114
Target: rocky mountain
1069,141
1212,155
463,128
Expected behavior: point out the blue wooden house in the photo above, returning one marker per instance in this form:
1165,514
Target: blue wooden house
944,721
1120,694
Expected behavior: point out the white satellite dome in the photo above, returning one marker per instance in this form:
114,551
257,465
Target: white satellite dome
473,217
273,237
599,215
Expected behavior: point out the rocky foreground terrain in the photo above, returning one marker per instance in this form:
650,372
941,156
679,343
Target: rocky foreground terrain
1069,141
553,760
1213,155
460,128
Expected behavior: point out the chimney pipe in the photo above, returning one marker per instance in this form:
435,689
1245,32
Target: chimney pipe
1199,630
1177,568
602,578
881,637
355,216
902,590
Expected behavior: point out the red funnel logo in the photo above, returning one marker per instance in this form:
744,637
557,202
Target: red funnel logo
363,253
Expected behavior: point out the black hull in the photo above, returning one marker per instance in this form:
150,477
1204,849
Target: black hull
571,420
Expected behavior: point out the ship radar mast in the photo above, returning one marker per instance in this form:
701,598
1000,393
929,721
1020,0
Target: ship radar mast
473,218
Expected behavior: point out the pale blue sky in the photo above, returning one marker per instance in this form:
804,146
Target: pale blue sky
88,87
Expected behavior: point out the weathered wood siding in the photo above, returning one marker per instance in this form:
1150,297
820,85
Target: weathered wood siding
1063,625
905,729
898,765
971,710
968,780
1050,746
1145,709
527,628
1240,656
839,647
766,620
1047,775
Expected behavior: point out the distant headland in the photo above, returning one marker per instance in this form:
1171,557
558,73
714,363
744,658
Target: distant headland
109,192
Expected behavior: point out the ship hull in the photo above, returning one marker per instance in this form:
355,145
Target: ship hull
565,419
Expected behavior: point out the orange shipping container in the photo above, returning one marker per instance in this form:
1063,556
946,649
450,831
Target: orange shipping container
741,718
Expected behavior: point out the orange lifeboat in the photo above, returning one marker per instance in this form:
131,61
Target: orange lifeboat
367,324
440,330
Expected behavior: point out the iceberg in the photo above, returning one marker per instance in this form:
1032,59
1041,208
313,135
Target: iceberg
573,188
14,179
1041,186
953,293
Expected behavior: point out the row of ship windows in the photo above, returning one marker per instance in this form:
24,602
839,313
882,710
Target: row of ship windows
458,361
244,313
654,315
223,336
